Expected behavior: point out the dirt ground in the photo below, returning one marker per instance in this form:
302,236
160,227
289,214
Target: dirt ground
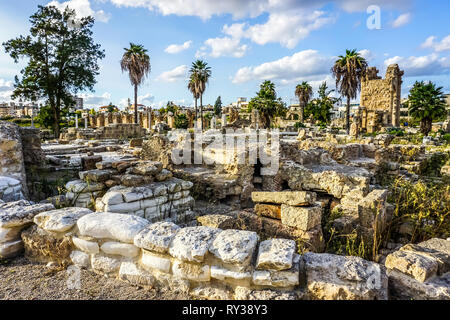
22,279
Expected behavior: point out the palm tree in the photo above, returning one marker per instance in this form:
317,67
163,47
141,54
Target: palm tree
200,73
426,102
348,71
136,61
193,89
304,93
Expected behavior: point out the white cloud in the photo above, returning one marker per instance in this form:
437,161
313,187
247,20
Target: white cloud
82,8
443,45
306,65
367,54
92,100
176,48
287,28
226,46
402,20
173,75
420,66
205,9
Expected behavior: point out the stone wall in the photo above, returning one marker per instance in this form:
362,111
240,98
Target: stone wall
380,99
12,170
204,262
109,131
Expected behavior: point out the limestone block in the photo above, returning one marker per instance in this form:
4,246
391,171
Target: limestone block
156,237
163,175
418,266
152,261
283,278
125,207
209,292
131,273
216,221
80,259
114,226
11,249
303,218
404,287
86,246
192,243
186,185
60,220
223,274
132,180
95,175
99,205
268,210
78,186
105,264
148,168
16,216
372,208
112,197
191,271
276,254
234,247
122,249
9,234
292,198
334,277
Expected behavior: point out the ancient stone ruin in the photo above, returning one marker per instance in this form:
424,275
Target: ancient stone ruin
127,208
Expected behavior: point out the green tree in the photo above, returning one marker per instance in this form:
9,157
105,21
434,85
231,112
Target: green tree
45,117
171,107
62,59
200,73
218,106
181,121
426,102
112,108
348,71
321,107
136,62
304,93
267,103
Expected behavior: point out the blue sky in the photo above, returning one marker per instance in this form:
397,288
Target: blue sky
246,42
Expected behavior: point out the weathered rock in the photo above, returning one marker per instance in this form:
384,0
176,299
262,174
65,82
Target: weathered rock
88,163
216,221
156,237
192,243
418,266
334,277
112,197
95,175
293,198
122,249
303,218
268,210
115,226
148,168
9,234
11,249
243,293
80,259
16,216
276,254
153,261
105,264
234,247
86,246
191,271
211,293
43,246
163,175
283,278
132,180
60,220
79,186
404,287
224,274
131,273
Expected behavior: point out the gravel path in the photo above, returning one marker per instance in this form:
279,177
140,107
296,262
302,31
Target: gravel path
22,279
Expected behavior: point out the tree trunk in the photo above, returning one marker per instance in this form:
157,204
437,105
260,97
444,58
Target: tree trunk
347,116
135,104
195,123
425,125
201,111
302,112
56,116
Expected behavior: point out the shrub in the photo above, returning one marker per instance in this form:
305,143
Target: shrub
299,125
426,206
